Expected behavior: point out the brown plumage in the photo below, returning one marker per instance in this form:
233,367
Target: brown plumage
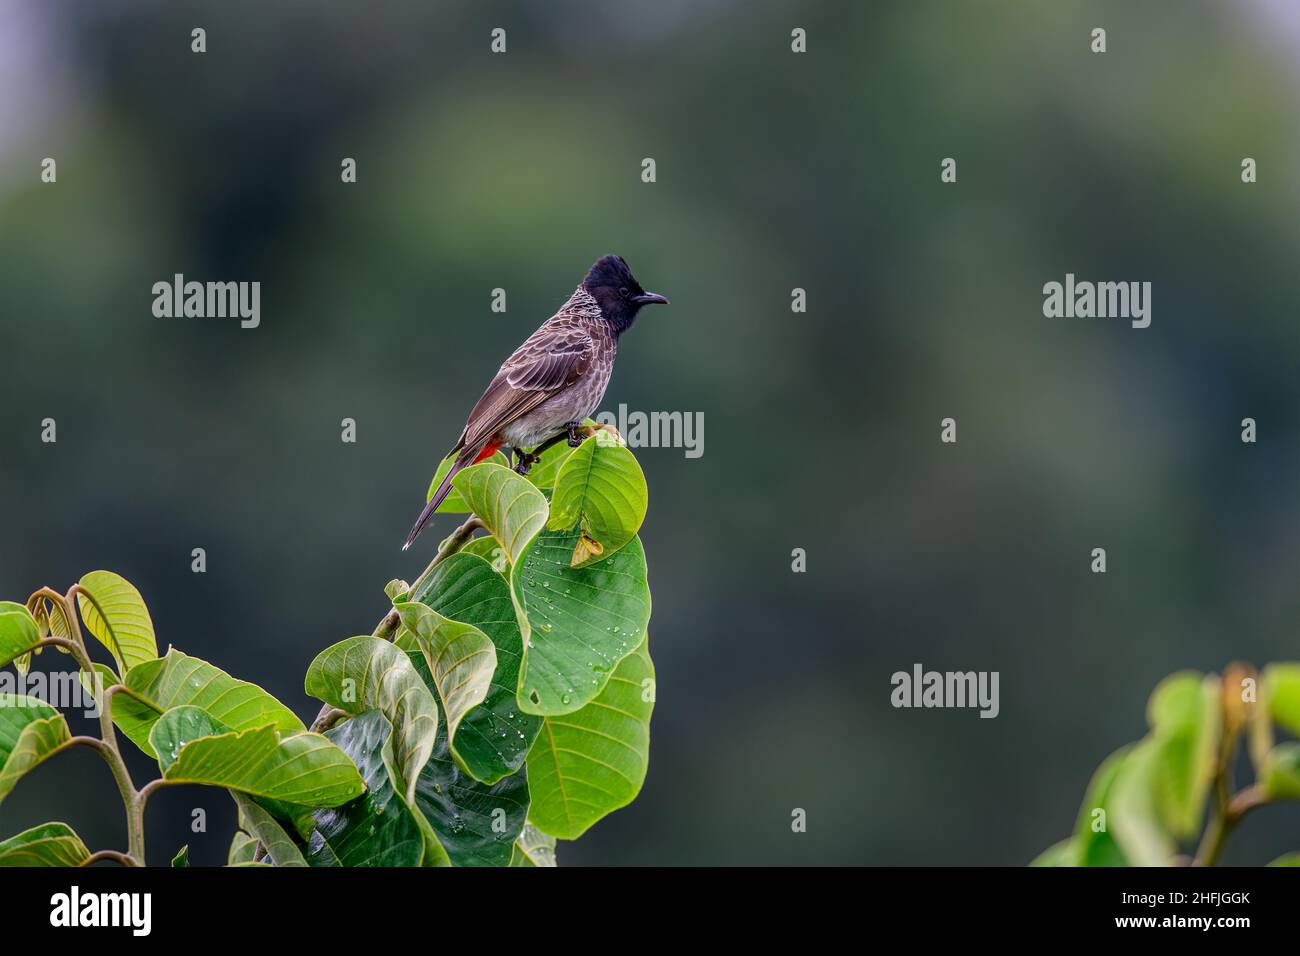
554,380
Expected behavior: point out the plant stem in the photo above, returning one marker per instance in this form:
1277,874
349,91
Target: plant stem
457,540
114,855
389,623
106,746
1229,815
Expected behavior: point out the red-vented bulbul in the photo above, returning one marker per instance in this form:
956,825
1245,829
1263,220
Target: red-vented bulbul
553,381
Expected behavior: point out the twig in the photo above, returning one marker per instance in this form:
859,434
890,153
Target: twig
125,859
389,623
457,540
106,746
1216,835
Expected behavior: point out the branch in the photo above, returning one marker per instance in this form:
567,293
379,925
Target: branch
106,746
457,540
1216,835
388,624
125,859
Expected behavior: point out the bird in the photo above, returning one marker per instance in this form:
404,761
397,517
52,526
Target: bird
554,380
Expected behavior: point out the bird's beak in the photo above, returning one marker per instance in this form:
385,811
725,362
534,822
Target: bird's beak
650,298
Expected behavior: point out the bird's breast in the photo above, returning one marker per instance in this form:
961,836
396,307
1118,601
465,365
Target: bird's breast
575,403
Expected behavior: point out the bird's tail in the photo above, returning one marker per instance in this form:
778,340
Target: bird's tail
469,456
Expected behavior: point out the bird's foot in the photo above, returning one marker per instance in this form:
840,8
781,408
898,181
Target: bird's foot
524,461
576,434
587,431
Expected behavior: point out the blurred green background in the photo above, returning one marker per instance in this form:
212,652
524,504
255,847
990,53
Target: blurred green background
775,171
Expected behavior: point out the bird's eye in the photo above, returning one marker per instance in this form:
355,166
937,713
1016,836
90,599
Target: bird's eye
623,291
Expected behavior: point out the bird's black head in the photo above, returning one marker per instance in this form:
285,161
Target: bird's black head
620,297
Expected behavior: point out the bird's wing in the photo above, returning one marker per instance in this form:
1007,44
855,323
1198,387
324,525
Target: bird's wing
552,359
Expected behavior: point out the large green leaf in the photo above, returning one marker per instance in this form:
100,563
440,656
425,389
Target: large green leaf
454,503
1184,714
1094,844
1064,853
256,820
578,623
544,471
1136,818
50,844
298,768
31,731
242,848
533,848
18,632
116,614
1282,694
1281,777
593,761
461,660
159,685
601,491
494,737
378,828
511,508
490,550
477,823
367,673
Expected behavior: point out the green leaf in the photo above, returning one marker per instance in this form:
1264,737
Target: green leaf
602,491
253,818
454,503
182,857
461,660
1184,714
1281,778
31,731
577,623
1093,843
367,673
18,632
1065,853
494,737
242,849
1136,819
490,550
1282,694
511,508
1287,859
533,848
477,823
116,614
300,768
158,685
593,761
378,828
50,844
544,471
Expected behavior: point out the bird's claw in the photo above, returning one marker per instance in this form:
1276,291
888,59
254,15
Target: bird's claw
525,462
